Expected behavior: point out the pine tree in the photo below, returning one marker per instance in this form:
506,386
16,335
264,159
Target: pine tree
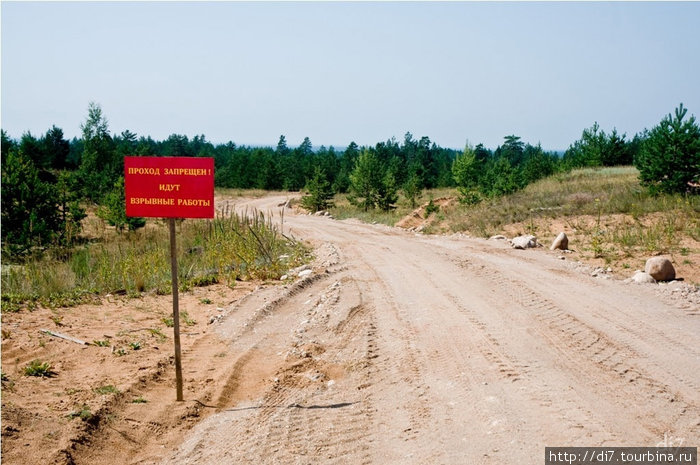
465,170
365,180
319,192
669,159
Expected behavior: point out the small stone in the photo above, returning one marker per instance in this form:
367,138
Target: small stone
643,278
305,273
498,237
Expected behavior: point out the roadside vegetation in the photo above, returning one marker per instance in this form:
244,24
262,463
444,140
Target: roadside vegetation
225,249
52,188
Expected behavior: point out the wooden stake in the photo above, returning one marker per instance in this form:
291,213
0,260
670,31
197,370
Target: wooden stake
176,310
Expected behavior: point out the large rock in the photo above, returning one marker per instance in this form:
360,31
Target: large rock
524,242
660,268
561,242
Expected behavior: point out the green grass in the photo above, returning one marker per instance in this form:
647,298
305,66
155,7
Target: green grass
224,249
594,192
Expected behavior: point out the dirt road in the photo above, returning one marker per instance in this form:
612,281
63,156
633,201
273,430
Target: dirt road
402,348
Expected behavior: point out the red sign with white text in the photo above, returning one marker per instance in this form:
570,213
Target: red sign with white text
169,187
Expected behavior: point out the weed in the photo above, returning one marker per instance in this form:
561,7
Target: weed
120,352
58,320
101,343
108,389
139,400
39,369
135,345
6,333
157,333
83,412
205,301
185,317
168,321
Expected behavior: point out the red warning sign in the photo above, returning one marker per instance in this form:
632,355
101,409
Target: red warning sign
169,187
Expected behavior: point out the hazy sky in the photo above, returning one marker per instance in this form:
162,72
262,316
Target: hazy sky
338,72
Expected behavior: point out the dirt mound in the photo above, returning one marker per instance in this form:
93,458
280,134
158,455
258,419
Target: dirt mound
417,220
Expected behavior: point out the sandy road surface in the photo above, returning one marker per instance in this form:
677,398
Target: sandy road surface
434,350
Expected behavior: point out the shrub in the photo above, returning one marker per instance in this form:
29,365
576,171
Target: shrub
38,368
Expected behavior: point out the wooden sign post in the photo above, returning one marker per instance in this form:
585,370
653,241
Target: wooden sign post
170,187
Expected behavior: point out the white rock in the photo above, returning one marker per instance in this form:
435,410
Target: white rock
305,273
641,277
660,268
524,242
498,237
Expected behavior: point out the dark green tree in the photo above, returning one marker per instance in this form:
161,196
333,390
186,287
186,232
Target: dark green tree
31,219
412,188
112,209
7,143
319,191
365,180
669,158
387,189
98,167
55,149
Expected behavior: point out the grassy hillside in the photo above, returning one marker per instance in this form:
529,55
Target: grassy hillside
610,219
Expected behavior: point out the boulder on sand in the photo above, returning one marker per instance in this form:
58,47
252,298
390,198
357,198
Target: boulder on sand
660,268
524,242
561,242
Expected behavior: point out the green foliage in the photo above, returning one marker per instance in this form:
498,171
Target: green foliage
465,171
412,189
233,248
83,412
431,208
99,168
596,148
365,179
113,209
669,159
319,192
387,195
35,213
372,184
39,369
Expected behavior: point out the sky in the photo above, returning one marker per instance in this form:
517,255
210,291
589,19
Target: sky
342,72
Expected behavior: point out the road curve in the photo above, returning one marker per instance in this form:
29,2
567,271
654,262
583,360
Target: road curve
411,349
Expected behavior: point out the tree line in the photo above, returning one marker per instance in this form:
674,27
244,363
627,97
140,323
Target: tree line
48,180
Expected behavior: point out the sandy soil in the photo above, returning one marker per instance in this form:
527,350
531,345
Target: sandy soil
398,348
